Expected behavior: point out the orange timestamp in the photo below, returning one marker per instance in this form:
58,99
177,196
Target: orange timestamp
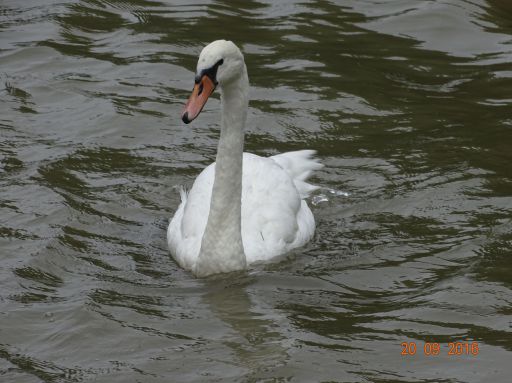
434,348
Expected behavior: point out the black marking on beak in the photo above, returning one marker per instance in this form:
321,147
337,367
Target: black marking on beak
185,119
210,72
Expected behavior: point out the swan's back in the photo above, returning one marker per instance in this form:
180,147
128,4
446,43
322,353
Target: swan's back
275,218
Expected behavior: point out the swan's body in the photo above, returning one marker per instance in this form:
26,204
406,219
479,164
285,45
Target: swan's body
243,208
275,219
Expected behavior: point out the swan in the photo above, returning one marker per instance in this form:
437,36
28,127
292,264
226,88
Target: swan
243,208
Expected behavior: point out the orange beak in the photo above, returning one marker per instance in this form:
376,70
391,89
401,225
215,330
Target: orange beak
202,90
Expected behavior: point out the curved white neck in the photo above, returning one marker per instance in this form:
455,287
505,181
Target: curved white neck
221,247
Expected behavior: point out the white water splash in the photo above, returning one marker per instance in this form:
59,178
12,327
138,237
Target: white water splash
326,193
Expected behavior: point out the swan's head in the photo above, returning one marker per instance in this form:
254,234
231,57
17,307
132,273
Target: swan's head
220,62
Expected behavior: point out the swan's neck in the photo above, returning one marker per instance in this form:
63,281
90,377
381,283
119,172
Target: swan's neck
221,247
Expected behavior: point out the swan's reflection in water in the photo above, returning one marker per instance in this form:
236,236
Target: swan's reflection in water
256,342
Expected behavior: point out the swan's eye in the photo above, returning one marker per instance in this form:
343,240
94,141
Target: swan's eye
210,72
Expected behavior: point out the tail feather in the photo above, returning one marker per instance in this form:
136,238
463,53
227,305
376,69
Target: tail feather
300,165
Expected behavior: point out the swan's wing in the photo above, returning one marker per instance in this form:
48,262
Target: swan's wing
275,219
299,165
174,237
187,226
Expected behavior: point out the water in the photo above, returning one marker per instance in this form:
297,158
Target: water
407,103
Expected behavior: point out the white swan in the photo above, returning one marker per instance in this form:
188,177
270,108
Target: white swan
243,208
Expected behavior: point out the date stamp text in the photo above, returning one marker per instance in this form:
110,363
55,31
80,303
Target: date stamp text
434,348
